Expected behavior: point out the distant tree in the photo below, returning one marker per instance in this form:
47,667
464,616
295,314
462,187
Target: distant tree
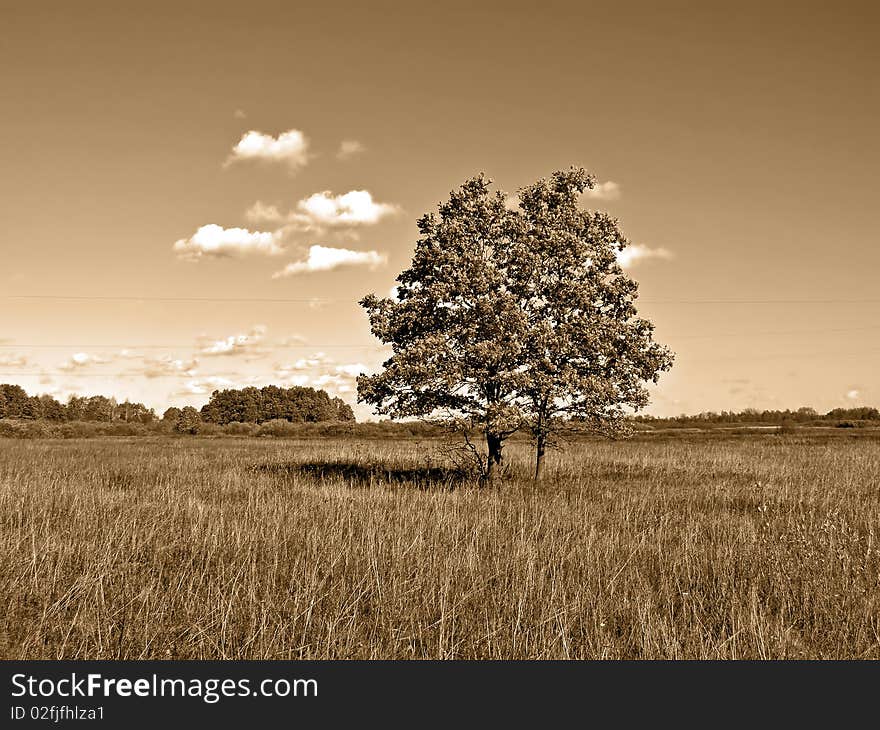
343,410
210,413
171,416
51,409
98,408
189,421
513,319
31,408
13,401
133,413
76,408
251,405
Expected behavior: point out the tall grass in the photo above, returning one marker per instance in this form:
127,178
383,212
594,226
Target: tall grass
756,547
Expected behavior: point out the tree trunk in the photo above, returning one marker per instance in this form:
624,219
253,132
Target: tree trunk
541,447
496,458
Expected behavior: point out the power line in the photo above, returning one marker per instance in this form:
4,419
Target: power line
128,298
325,300
188,345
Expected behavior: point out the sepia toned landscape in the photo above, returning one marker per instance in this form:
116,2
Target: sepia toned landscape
476,331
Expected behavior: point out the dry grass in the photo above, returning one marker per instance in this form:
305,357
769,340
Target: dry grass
760,546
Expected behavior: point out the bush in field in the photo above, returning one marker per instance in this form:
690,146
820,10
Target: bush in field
277,427
237,428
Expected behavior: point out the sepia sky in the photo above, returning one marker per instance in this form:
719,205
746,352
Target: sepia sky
167,164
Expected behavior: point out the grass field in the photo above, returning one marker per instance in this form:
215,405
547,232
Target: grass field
761,546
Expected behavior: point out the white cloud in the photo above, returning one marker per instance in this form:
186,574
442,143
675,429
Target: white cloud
10,360
158,367
244,344
305,363
290,147
292,340
81,360
323,213
205,385
634,253
353,208
349,148
603,191
217,242
352,370
323,258
260,212
334,384
239,114
853,394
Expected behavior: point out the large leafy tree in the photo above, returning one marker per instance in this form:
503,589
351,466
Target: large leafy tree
456,329
588,354
512,319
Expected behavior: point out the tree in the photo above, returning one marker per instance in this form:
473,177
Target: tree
189,421
76,408
171,416
343,410
510,319
587,353
99,408
13,401
455,328
51,409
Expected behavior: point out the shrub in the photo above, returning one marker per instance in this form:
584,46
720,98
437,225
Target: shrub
240,429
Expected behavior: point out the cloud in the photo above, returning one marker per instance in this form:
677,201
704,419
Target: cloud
349,148
81,360
352,370
12,360
260,212
353,208
201,386
324,211
290,147
853,394
244,344
321,371
603,191
634,253
323,258
292,340
239,114
319,359
158,367
214,241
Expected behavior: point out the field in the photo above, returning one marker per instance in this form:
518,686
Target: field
734,546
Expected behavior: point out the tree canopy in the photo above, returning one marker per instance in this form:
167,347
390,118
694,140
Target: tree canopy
512,319
297,404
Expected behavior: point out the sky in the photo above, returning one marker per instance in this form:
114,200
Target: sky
195,195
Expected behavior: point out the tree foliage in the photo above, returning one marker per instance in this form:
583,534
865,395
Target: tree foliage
511,319
257,405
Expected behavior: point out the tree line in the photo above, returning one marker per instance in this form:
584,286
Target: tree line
16,403
248,405
805,415
297,404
